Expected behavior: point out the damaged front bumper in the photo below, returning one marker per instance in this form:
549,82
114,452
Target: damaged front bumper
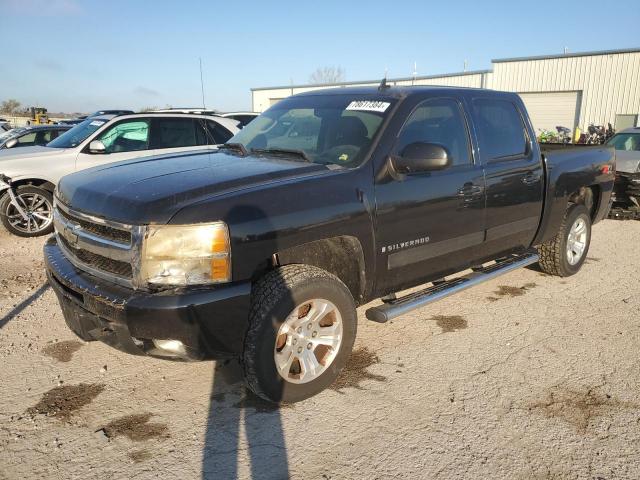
182,324
626,196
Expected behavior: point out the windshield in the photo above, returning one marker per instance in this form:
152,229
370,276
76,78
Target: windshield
11,133
77,135
629,142
336,129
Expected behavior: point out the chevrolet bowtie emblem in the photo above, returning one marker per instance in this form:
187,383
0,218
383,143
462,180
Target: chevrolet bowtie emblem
72,235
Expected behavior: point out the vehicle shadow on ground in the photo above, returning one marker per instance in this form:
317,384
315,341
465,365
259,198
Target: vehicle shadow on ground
15,311
242,428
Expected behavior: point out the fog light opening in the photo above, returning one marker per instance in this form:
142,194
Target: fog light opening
175,347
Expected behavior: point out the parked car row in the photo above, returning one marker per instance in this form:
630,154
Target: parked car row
26,208
31,136
626,193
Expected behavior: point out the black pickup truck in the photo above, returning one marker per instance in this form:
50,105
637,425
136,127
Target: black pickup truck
326,201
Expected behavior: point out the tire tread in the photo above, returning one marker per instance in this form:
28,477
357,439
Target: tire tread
266,293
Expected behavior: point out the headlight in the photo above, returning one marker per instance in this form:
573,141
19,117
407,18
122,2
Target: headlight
186,254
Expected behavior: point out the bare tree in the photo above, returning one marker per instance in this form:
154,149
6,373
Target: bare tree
327,75
9,106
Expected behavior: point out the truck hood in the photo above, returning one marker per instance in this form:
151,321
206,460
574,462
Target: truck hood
627,162
153,189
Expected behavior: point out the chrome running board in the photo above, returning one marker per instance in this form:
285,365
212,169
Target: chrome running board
399,306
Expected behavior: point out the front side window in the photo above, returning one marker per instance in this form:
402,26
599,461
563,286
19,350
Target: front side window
126,136
629,142
28,139
500,128
439,121
327,129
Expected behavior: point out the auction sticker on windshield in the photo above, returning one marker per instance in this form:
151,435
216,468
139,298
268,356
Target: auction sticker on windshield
96,123
368,105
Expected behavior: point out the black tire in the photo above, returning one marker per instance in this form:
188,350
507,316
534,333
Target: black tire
553,253
274,297
5,206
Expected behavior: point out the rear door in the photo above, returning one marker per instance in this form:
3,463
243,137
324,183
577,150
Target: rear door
513,172
430,224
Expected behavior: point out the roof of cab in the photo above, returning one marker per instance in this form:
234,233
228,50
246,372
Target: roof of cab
395,91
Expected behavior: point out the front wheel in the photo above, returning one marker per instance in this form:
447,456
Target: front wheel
302,327
564,254
36,218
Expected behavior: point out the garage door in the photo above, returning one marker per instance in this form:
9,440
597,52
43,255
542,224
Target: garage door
550,109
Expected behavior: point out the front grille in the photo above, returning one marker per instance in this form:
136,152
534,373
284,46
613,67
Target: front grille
98,261
104,231
100,247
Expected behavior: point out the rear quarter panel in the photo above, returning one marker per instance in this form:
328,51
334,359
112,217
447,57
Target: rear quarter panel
569,168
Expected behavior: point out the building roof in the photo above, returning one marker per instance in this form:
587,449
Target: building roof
474,72
376,81
567,55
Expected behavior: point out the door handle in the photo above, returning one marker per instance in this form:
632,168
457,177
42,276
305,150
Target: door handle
530,179
469,190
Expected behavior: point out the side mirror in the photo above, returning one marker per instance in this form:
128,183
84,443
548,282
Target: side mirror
11,143
421,157
97,147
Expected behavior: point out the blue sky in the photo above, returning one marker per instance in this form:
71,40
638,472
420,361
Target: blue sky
74,55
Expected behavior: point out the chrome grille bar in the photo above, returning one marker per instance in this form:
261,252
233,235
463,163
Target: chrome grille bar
97,246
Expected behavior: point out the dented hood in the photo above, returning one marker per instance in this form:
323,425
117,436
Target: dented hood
153,189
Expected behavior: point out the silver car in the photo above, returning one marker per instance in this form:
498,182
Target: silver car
626,192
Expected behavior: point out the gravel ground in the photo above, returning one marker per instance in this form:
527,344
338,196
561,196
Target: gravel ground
524,377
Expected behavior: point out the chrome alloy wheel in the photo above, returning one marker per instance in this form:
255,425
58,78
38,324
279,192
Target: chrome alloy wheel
38,213
308,341
577,241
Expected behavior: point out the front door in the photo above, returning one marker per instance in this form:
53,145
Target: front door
430,224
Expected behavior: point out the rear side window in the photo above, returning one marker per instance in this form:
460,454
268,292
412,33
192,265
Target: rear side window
174,133
500,129
45,137
217,133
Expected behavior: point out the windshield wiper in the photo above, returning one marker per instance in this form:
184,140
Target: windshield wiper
236,147
284,151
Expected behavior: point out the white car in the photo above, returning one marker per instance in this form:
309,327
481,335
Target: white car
28,175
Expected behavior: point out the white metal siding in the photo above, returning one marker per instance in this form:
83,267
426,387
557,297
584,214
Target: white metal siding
551,109
610,83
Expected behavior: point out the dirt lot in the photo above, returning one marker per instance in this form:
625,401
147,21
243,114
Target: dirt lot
526,377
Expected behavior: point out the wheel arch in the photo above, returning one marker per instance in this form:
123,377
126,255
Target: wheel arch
342,256
588,196
36,182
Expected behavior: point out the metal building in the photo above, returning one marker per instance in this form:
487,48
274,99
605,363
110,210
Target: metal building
571,90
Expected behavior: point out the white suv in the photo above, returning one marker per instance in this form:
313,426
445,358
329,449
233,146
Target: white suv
28,175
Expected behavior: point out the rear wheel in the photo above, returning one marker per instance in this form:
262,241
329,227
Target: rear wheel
564,254
37,212
301,333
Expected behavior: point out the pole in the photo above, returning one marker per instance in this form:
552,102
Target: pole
201,83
